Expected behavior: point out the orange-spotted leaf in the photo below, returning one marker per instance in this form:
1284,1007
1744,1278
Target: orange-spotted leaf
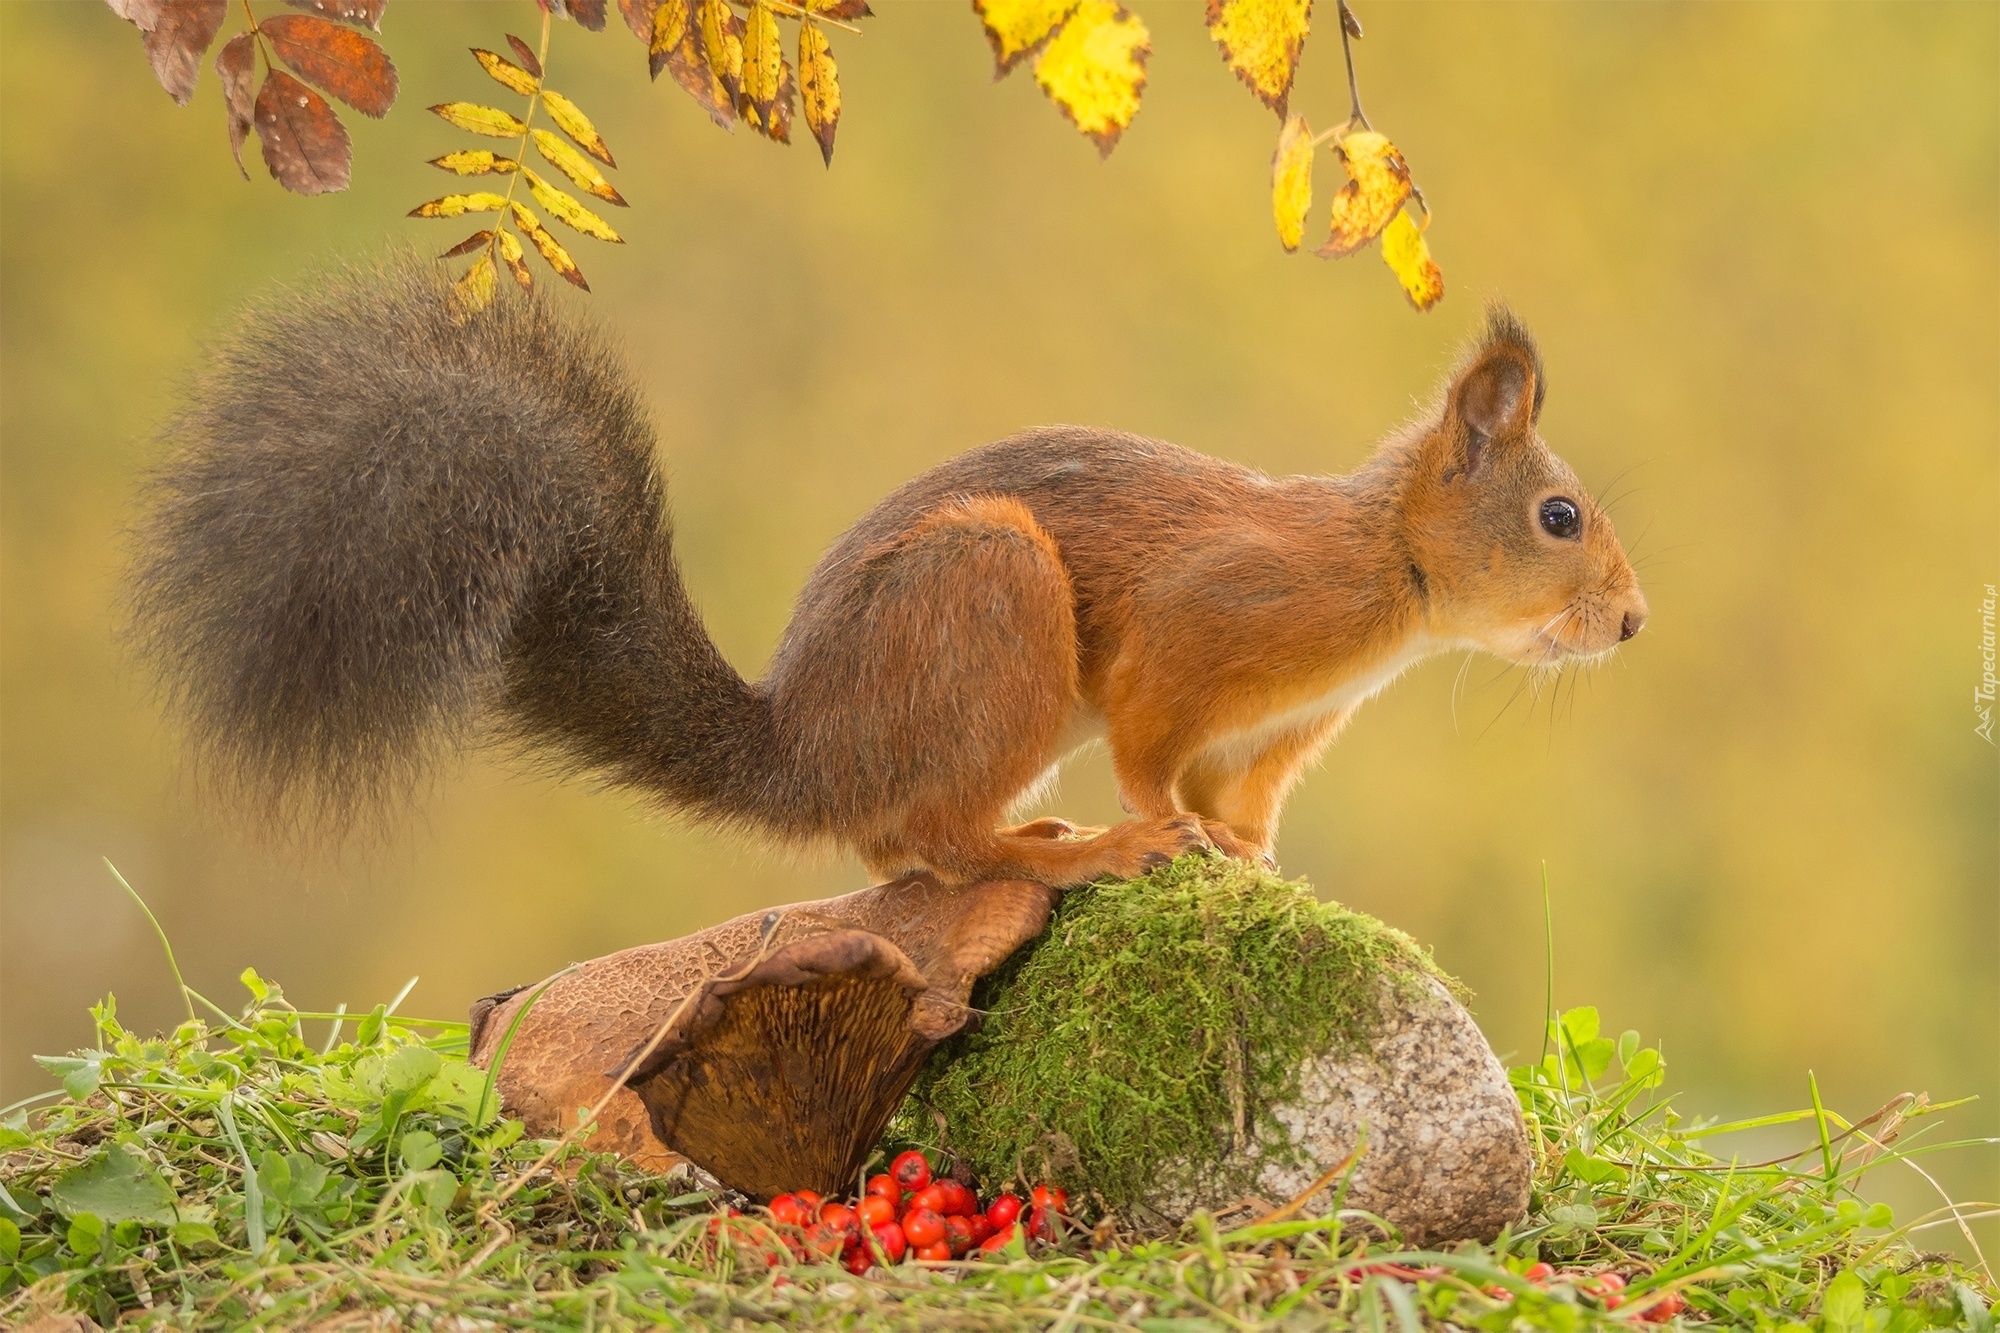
526,55
511,255
548,247
181,33
722,43
1015,28
1292,181
765,74
366,13
468,245
671,19
305,145
1378,181
351,65
506,73
476,289
481,119
577,126
557,153
819,87
1404,251
1095,69
458,205
236,66
1261,40
567,210
688,63
475,162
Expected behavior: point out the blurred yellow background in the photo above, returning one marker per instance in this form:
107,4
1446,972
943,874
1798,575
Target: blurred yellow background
1760,245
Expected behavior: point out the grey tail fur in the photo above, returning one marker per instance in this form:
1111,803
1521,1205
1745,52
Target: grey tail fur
384,529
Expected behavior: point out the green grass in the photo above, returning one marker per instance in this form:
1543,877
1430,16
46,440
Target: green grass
278,1169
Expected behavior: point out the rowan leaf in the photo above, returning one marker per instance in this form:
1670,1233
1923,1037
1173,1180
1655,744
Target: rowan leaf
349,64
476,289
763,65
722,44
639,17
458,205
510,255
548,247
669,30
476,162
367,13
840,9
819,86
1015,28
1095,69
1292,181
506,73
1378,181
236,66
688,63
577,126
478,119
558,154
567,210
468,245
1409,258
589,14
141,14
1261,41
526,55
305,145
180,35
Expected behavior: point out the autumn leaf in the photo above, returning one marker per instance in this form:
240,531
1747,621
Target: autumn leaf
1292,181
526,55
669,31
350,65
468,245
1261,40
577,125
367,13
722,44
506,73
141,14
819,87
568,210
458,205
180,36
558,154
1014,28
690,68
589,14
766,78
639,17
305,145
510,254
840,9
1404,251
476,289
475,162
1095,69
236,66
547,246
481,119
1378,181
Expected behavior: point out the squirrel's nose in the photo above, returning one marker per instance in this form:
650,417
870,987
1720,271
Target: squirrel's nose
1634,622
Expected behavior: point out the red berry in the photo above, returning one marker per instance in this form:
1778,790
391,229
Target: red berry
932,1197
1048,1196
1538,1273
810,1200
886,1186
824,1240
1609,1281
838,1216
982,1227
958,1233
936,1253
923,1226
1003,1210
1040,1224
958,1199
912,1170
874,1210
1668,1306
786,1210
890,1240
998,1241
858,1261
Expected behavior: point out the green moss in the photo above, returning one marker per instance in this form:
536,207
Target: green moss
1153,1023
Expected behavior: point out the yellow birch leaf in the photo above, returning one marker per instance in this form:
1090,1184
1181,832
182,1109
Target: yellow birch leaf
475,162
1378,181
576,166
1095,69
670,25
1014,28
511,254
568,210
481,119
548,247
506,73
457,205
722,44
1261,41
819,87
577,126
475,290
1404,251
1292,181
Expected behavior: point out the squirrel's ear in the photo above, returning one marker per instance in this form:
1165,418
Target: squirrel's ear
1498,393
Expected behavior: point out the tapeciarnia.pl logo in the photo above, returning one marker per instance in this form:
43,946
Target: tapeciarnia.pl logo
1982,693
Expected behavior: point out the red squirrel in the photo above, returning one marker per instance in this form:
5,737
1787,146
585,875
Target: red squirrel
385,528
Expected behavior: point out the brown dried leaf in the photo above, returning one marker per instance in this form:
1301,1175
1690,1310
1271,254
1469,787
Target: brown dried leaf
589,14
1378,181
841,9
349,64
1409,258
141,14
1261,40
475,162
639,16
511,255
181,34
526,55
1095,69
468,245
690,68
305,145
722,44
568,210
236,66
506,73
1292,181
367,13
1016,28
819,86
487,120
669,30
458,205
558,154
577,126
549,248
475,291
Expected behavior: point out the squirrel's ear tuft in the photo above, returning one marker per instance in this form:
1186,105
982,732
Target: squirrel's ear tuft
1498,391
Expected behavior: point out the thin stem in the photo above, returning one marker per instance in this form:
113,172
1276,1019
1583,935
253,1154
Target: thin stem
1347,25
165,945
527,123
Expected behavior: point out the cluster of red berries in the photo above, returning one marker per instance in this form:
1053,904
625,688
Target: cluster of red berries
1607,1286
905,1212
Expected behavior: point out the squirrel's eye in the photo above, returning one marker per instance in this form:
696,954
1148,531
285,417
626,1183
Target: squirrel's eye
1561,518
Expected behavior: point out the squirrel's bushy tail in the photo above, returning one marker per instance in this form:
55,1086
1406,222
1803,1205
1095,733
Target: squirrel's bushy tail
384,527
